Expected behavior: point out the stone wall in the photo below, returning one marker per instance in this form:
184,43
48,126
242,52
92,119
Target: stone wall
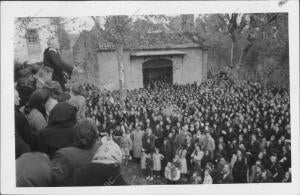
188,69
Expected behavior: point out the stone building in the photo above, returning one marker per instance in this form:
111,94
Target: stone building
171,55
30,40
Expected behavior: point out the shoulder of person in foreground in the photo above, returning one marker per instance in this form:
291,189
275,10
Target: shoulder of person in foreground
37,175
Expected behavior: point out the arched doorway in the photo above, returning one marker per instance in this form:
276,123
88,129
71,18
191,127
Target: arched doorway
157,69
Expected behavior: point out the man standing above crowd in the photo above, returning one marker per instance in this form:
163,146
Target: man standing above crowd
61,69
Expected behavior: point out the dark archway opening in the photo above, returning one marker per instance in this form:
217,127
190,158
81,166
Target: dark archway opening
157,70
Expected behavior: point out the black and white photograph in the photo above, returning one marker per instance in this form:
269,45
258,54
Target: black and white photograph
153,99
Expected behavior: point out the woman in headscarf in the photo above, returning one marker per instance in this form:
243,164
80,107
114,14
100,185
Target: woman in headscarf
35,109
67,160
60,129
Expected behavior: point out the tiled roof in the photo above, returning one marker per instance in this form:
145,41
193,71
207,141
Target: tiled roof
161,40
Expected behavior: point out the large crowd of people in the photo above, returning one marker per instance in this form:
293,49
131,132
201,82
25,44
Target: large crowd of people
214,132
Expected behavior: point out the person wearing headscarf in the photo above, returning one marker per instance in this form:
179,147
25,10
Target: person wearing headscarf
33,170
104,169
60,129
35,109
69,159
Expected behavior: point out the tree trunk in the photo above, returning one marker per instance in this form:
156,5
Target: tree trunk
243,55
233,50
231,53
121,69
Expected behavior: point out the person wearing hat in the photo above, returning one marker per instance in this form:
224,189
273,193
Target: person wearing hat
35,109
52,59
69,159
104,169
60,129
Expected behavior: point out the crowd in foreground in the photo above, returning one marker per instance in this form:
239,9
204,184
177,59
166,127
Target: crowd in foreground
215,132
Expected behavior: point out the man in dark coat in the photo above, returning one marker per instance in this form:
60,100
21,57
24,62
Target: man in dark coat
166,150
53,60
149,141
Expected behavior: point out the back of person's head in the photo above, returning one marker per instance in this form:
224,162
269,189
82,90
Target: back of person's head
62,112
37,100
86,134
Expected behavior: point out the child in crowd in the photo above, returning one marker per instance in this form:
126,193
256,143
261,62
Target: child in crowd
168,171
149,166
183,164
172,172
196,178
197,156
157,157
143,162
176,169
